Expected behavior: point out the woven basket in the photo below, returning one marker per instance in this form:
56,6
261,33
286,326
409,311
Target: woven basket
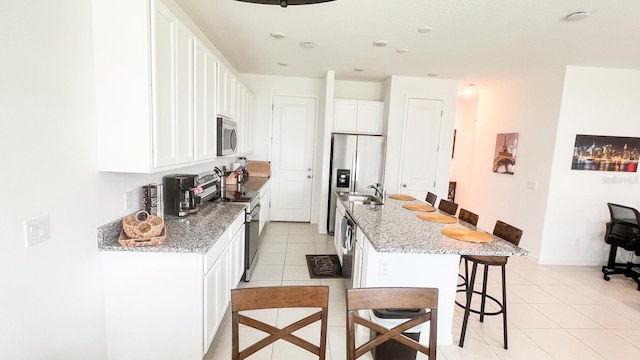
142,225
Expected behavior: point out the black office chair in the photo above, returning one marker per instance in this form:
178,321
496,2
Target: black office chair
623,231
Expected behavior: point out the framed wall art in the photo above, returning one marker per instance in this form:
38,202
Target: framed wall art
504,160
605,153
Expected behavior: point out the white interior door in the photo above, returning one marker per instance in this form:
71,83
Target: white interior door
292,158
420,147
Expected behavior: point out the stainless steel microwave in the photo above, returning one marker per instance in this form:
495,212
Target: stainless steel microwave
227,136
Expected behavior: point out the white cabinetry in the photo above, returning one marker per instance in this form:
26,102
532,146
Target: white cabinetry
337,235
226,91
265,204
169,305
143,58
243,117
205,99
362,117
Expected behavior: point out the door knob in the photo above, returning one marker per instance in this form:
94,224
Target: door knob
308,176
309,169
404,185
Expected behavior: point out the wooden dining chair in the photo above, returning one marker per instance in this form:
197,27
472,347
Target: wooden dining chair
448,206
279,297
391,298
431,198
512,235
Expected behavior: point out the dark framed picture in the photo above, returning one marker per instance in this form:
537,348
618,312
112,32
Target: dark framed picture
504,160
605,153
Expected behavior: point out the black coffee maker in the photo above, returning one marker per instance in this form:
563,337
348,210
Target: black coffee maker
181,197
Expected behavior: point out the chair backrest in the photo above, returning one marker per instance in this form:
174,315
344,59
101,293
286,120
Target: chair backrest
469,217
391,298
448,206
431,198
624,228
278,297
507,232
624,214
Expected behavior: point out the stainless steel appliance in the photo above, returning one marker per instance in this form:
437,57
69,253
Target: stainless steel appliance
217,179
227,136
357,161
181,194
347,234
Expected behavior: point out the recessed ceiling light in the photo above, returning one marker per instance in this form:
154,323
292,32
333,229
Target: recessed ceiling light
307,45
281,63
425,29
577,16
467,92
402,51
278,35
432,74
380,43
358,69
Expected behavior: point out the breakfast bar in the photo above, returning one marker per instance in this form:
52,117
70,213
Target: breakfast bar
400,249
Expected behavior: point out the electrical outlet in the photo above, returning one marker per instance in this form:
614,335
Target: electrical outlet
383,268
36,231
576,242
128,200
532,185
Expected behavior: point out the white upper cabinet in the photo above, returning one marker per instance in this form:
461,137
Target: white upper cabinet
205,99
226,91
361,117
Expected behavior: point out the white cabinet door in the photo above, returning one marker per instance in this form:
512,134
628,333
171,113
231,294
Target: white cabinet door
205,98
184,93
237,258
265,196
361,117
358,258
345,114
212,297
224,296
369,119
226,91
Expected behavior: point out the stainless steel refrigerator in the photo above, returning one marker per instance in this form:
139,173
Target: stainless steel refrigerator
357,161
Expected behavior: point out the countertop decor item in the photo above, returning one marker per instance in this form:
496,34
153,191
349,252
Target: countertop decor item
401,197
438,218
467,235
419,207
142,229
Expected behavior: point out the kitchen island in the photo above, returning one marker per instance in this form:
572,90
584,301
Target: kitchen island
400,249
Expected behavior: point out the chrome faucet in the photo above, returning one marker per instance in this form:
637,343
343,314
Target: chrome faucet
379,190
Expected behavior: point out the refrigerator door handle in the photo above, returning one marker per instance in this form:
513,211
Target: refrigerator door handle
354,162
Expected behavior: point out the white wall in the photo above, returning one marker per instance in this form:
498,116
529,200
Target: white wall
466,117
400,89
51,301
528,104
595,101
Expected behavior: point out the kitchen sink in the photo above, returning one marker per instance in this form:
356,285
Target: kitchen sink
364,199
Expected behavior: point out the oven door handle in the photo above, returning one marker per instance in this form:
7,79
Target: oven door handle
254,212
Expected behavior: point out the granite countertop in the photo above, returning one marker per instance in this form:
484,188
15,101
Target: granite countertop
392,229
195,233
252,184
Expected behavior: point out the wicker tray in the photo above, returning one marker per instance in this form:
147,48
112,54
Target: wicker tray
467,235
438,218
419,207
126,241
401,197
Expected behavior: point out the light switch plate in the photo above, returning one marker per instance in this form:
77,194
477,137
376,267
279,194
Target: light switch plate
37,231
532,185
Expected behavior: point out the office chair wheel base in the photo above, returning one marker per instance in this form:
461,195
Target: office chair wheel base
607,278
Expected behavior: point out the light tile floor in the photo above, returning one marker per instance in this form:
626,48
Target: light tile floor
554,312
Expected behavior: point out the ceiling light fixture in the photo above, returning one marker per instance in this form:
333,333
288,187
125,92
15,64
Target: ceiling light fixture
278,35
285,3
425,29
282,63
577,16
307,45
380,43
359,69
432,74
402,51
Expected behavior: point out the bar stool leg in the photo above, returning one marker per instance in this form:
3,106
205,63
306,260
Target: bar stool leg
484,292
467,308
504,306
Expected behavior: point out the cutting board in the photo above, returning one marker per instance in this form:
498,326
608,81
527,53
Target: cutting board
401,197
419,207
259,168
438,218
467,235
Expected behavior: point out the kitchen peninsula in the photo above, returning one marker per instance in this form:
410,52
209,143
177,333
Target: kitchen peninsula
400,249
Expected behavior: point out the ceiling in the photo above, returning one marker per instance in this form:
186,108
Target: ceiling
470,40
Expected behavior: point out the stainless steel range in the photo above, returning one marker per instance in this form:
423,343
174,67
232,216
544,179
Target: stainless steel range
212,191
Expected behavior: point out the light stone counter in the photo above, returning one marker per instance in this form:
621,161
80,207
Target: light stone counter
195,233
391,228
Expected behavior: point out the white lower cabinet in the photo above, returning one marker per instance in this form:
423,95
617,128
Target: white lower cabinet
265,200
167,306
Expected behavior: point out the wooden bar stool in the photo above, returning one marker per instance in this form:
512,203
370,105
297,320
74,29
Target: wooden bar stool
448,206
431,198
471,219
513,235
